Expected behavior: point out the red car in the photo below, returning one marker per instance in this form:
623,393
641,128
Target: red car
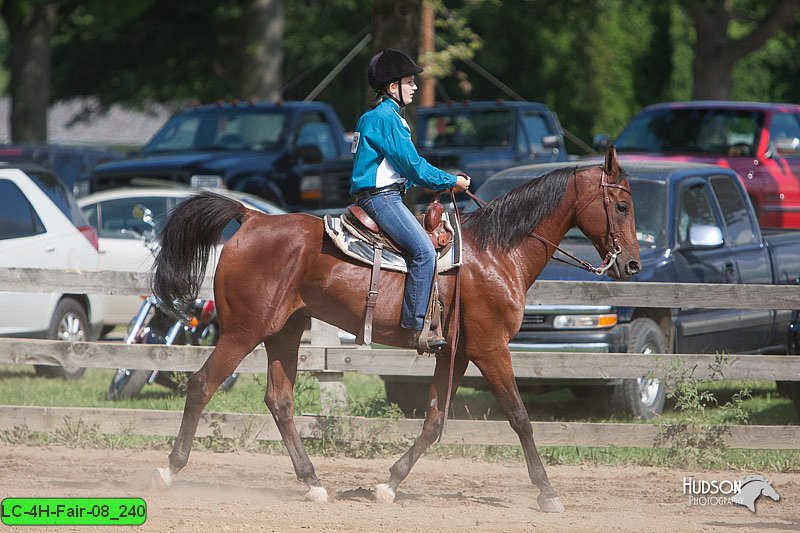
760,141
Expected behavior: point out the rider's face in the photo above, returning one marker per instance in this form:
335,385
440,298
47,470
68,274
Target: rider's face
407,87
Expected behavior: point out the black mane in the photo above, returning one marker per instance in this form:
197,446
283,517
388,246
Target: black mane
506,220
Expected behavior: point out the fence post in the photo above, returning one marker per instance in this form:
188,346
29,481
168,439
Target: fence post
333,395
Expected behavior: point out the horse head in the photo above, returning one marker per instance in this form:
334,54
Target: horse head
769,491
605,215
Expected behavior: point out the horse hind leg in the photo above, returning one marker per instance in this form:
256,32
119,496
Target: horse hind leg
282,351
202,385
501,382
431,428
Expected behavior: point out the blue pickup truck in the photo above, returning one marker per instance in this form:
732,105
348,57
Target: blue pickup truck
483,137
695,224
294,154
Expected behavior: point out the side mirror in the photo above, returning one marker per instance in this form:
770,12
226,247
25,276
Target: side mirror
307,153
787,146
601,142
705,236
551,141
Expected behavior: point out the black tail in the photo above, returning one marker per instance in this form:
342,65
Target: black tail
193,228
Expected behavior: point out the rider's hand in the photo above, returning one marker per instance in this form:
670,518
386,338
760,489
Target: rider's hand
462,183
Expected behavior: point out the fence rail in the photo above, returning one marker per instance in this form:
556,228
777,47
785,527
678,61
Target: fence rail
331,360
391,362
249,427
620,293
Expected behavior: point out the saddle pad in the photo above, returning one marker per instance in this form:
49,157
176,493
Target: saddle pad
353,244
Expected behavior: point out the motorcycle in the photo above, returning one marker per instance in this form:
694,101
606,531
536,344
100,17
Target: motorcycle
155,324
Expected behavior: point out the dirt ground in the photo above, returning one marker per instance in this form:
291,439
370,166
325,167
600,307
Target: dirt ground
244,491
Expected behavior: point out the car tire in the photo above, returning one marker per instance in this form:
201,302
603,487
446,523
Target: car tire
69,324
411,397
643,397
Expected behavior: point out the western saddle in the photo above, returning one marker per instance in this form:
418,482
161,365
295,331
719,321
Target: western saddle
440,235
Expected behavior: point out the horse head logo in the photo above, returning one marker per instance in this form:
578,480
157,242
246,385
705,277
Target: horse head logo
752,488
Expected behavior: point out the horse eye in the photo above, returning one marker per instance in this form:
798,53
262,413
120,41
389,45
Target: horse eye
622,208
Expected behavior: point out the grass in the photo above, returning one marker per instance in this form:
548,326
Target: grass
366,397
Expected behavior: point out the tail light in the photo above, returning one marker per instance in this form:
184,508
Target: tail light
91,235
208,311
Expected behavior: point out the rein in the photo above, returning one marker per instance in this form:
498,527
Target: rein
610,258
456,326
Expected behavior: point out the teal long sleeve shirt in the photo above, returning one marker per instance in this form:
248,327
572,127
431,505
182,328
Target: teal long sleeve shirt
385,153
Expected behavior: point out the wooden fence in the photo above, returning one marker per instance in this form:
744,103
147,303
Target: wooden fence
328,360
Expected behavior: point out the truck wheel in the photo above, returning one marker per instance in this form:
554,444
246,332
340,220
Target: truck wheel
796,396
69,324
643,397
786,388
410,397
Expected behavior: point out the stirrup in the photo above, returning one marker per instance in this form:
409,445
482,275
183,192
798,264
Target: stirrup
430,342
430,338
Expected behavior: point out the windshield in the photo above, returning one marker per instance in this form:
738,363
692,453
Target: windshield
469,128
726,132
218,129
649,201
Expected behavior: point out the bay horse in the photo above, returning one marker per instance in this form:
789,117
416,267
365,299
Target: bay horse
278,270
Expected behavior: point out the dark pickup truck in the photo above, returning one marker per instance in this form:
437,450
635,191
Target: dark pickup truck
695,224
481,138
293,153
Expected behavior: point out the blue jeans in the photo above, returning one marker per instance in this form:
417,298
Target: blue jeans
387,209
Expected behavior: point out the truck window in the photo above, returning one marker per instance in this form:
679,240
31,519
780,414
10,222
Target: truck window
314,129
785,133
220,129
695,209
737,217
725,132
536,127
468,128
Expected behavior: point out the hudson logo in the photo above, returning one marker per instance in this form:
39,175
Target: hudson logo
744,491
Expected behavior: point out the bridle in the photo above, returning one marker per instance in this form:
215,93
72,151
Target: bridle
608,262
611,257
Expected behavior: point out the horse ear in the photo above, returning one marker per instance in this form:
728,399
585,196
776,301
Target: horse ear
611,166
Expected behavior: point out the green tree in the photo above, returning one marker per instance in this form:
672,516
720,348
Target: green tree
726,32
30,26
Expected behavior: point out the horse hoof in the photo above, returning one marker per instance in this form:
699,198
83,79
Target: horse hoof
551,505
161,478
317,495
384,493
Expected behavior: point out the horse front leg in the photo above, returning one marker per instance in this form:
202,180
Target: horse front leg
499,377
282,353
202,385
431,428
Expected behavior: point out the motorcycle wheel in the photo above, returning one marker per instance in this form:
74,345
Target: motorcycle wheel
127,383
230,382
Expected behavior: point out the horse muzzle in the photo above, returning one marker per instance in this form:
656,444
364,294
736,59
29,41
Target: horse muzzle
632,267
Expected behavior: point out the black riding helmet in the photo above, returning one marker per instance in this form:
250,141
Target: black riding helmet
390,65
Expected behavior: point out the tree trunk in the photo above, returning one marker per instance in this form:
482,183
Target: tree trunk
396,24
716,53
30,27
263,50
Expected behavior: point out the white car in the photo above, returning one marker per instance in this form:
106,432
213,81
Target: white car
41,226
121,248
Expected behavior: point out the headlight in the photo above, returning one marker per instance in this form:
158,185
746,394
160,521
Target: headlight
207,181
584,321
311,188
